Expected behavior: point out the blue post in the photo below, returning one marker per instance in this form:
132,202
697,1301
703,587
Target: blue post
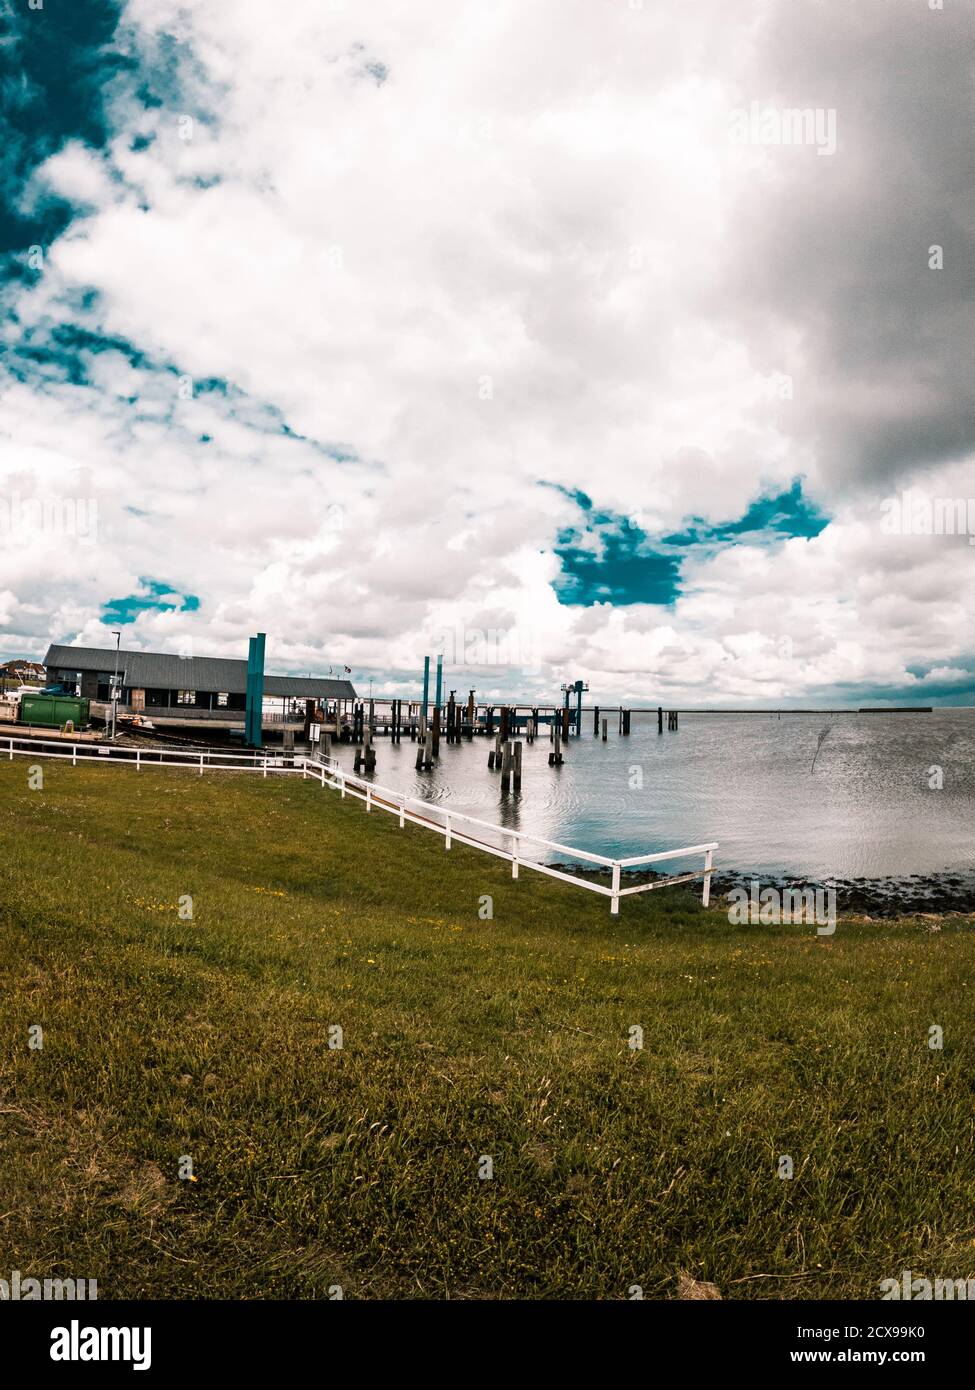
254,717
439,681
426,684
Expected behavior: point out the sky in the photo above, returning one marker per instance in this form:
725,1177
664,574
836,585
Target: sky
579,339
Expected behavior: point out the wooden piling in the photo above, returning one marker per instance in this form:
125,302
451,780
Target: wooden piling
605,729
506,766
660,719
518,766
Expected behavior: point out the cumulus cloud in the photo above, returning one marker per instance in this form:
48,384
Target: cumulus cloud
340,289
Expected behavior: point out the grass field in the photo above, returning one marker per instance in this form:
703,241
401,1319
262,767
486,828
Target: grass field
316,1166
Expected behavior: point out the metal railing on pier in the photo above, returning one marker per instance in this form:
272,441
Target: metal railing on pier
452,825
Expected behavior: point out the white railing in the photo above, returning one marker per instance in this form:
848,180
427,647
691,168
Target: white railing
428,814
204,760
410,808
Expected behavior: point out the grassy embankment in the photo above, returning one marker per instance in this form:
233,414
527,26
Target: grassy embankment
462,1037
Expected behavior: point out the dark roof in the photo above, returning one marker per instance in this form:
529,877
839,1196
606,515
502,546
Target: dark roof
165,671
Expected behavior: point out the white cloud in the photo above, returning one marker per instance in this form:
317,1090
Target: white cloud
528,252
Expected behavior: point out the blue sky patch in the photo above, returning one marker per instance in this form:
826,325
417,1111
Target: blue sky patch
609,558
153,597
53,71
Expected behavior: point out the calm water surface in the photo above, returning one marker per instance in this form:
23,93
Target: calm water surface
866,811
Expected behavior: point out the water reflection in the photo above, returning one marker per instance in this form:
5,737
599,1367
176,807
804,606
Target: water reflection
867,810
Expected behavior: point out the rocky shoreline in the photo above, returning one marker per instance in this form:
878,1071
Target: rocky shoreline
911,895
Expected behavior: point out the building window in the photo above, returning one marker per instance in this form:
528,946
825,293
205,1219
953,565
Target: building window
186,697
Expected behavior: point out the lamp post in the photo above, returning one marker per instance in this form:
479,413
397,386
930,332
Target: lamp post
118,642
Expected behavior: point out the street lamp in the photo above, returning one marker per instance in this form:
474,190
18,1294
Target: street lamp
118,642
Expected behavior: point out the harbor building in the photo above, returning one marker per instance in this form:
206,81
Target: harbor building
174,691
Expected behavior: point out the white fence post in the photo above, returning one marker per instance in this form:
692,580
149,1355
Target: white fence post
265,767
446,844
402,812
74,755
614,904
708,860
201,764
368,798
138,764
514,861
11,750
342,782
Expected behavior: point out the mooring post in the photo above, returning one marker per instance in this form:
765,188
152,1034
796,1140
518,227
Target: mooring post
595,721
605,729
660,719
506,766
518,766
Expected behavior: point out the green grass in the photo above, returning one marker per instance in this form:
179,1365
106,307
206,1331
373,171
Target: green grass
462,1037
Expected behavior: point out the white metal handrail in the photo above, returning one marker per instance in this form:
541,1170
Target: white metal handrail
200,760
330,774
